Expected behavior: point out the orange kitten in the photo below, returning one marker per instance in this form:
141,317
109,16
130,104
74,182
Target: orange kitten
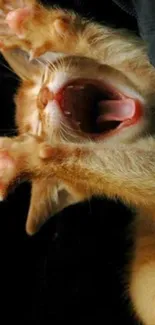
86,124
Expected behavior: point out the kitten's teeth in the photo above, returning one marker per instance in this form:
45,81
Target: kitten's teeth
79,87
78,123
76,87
67,113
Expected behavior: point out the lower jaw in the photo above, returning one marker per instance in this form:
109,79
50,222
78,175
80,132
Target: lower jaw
115,129
118,130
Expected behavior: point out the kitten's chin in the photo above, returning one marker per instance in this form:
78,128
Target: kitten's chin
96,109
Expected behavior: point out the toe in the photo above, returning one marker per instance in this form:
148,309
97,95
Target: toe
16,18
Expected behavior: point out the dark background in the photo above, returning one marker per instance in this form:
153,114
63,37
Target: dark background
72,271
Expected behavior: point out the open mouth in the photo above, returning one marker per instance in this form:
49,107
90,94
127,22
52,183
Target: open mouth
97,109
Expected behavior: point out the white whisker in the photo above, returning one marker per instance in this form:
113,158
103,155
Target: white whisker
63,136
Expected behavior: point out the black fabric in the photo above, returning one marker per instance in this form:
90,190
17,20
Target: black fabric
144,11
127,6
102,11
72,270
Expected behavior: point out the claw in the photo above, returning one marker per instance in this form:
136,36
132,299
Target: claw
31,55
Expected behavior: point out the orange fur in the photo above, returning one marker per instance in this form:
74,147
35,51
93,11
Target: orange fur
64,165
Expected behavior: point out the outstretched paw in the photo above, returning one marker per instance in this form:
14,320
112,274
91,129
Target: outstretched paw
29,158
15,161
9,166
16,20
22,21
13,16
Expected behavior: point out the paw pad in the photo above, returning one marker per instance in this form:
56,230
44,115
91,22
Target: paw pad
16,18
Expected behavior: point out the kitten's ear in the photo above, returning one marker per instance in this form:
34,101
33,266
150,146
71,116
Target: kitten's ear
19,61
46,201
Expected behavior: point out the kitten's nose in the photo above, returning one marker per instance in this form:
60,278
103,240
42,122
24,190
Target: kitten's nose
45,95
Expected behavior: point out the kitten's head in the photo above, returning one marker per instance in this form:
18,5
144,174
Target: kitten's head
77,99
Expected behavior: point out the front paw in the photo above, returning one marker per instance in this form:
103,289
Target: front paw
22,21
10,165
16,20
18,159
13,17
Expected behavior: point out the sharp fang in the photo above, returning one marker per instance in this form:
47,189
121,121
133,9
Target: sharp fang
67,113
76,87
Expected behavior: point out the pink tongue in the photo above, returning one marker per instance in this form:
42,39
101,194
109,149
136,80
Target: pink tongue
116,110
